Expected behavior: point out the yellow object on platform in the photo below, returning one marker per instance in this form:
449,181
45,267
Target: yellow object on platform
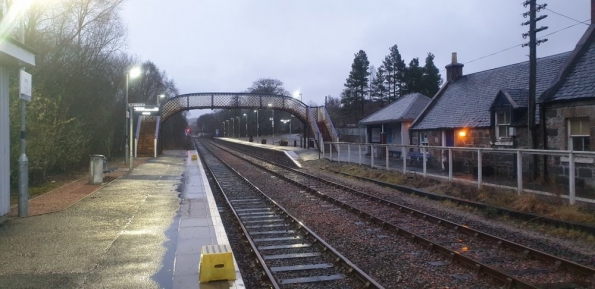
216,263
194,157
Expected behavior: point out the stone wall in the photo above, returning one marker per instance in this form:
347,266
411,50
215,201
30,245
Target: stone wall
557,139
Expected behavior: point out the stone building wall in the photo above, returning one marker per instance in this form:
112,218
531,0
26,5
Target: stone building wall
557,139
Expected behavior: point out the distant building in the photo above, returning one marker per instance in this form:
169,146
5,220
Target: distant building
390,125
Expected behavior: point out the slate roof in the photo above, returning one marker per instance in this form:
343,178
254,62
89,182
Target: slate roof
466,101
578,78
405,108
518,97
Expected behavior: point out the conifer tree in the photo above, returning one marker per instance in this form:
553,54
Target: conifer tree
395,73
413,77
431,77
377,88
357,82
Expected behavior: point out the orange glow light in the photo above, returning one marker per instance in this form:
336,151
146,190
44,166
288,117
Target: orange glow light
462,133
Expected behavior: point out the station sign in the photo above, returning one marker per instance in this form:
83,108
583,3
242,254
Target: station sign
146,110
25,85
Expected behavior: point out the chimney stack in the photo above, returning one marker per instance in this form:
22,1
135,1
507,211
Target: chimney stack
455,70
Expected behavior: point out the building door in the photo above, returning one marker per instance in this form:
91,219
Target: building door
449,138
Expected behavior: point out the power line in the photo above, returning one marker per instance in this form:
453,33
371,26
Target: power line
567,27
492,54
566,16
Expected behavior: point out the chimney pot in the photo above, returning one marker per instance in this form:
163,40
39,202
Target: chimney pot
454,55
455,69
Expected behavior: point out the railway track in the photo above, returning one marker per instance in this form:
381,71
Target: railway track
290,253
512,264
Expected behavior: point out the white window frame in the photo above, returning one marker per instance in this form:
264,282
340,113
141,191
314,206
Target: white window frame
507,125
423,136
583,129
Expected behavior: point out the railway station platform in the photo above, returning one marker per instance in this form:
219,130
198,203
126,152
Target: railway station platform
296,152
200,225
145,229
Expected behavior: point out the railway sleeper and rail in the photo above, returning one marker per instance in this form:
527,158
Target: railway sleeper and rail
289,252
515,265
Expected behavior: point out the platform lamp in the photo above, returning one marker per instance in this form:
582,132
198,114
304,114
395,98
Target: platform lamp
159,97
131,74
239,127
272,120
296,93
246,116
257,125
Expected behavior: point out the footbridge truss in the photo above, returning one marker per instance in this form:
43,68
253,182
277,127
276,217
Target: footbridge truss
316,119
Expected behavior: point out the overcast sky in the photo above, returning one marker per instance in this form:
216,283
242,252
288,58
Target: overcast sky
225,45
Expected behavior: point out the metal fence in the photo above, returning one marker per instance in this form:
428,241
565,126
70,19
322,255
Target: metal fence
570,174
352,134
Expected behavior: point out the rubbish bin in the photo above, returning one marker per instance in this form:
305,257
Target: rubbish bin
96,169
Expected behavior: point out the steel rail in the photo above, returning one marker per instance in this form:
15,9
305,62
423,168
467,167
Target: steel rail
254,248
455,256
515,214
368,281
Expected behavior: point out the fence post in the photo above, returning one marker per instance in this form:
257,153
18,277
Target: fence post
404,156
423,152
519,169
386,150
571,176
359,149
348,153
372,156
449,164
479,169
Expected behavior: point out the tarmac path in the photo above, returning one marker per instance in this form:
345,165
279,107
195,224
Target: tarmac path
116,237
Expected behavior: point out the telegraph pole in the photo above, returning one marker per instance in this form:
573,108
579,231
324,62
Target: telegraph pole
533,42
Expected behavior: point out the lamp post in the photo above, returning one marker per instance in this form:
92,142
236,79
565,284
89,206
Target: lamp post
159,97
273,120
296,93
233,128
223,130
239,128
132,73
246,116
227,121
257,126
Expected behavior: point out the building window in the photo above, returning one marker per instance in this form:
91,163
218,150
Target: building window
423,138
578,134
502,124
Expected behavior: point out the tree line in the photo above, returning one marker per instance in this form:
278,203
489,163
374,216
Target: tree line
79,86
368,89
